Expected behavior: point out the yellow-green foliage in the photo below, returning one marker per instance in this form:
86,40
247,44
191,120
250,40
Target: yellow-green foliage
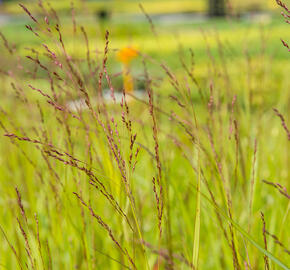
206,131
152,6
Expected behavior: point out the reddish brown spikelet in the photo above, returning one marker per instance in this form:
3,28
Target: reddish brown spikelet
149,20
12,248
155,134
164,253
232,116
94,181
285,44
68,59
177,101
88,48
52,55
14,136
6,43
252,184
283,122
278,242
28,249
46,20
216,157
37,62
135,156
38,238
158,205
73,17
107,228
232,243
266,259
62,109
30,28
110,84
39,91
28,12
158,180
105,58
49,256
286,16
279,187
211,100
281,4
19,201
173,80
54,14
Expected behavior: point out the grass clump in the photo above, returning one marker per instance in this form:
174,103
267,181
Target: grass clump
191,175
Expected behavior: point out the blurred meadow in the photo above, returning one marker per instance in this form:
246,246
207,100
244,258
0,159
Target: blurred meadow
144,135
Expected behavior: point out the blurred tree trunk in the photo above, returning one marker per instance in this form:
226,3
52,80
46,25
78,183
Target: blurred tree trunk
216,8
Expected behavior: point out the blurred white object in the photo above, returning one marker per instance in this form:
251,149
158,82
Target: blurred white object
80,104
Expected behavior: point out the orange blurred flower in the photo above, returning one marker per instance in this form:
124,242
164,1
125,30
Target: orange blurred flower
127,54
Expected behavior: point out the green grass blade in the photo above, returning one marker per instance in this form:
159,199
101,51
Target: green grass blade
248,236
197,218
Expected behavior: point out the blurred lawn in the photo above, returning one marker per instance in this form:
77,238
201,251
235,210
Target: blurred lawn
241,40
238,37
152,6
